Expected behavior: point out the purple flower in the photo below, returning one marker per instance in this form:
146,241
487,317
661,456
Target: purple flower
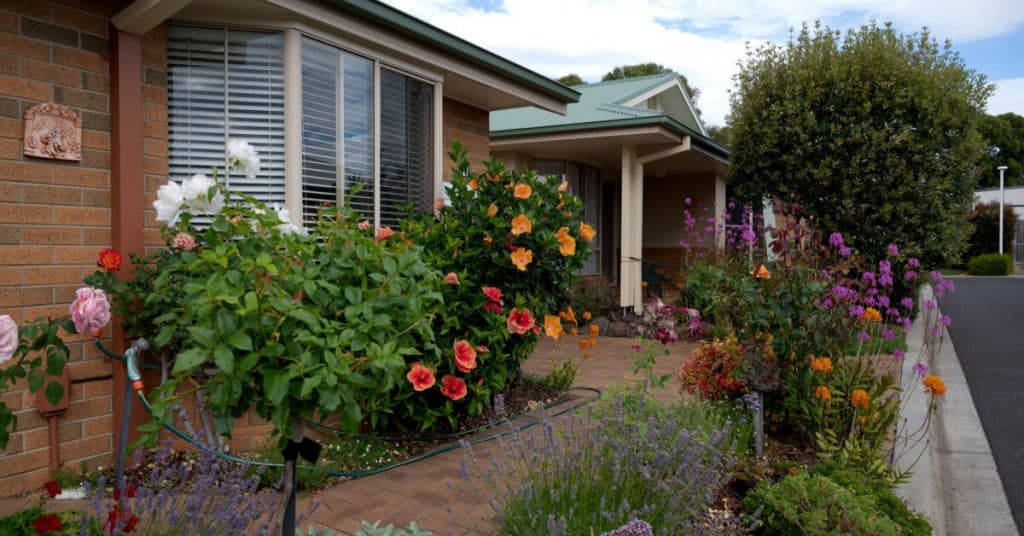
748,235
907,302
945,320
892,250
883,301
836,240
826,303
887,334
897,354
884,267
885,280
868,277
913,262
910,276
844,251
892,311
929,304
921,369
863,336
687,200
905,322
870,301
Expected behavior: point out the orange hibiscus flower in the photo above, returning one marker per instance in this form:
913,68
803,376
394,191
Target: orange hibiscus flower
521,224
519,321
420,377
473,185
492,210
566,243
587,232
522,191
465,356
521,257
453,387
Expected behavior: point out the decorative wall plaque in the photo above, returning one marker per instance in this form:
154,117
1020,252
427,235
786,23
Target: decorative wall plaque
53,131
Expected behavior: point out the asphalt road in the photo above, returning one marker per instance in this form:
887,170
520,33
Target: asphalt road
988,334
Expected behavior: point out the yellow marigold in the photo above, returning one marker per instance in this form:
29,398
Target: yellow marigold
553,326
569,315
521,257
587,232
521,224
859,397
473,185
492,210
822,365
566,243
587,315
934,385
823,393
871,315
595,330
522,191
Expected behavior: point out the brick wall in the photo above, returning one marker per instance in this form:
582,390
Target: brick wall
471,127
54,216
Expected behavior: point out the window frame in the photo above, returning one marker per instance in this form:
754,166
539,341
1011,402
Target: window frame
293,33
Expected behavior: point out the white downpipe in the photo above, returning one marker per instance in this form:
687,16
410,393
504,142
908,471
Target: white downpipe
625,228
638,237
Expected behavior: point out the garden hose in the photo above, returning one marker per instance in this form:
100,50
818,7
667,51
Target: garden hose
132,365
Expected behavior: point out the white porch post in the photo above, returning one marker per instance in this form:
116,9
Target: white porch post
638,236
626,228
720,220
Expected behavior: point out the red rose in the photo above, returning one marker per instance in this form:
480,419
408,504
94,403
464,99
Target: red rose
109,259
465,356
453,387
52,487
519,321
47,523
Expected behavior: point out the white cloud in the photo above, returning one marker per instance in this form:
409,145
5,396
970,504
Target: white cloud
1009,97
700,39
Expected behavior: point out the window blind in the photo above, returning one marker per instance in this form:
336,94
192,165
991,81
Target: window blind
406,145
225,84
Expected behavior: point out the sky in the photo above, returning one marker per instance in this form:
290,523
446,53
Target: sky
704,39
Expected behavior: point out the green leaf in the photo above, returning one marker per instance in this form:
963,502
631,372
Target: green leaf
275,385
54,392
240,340
224,359
203,335
189,359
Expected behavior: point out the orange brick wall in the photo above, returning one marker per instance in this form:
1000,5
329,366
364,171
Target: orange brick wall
54,216
471,127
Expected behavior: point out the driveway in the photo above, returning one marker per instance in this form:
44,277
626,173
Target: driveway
988,333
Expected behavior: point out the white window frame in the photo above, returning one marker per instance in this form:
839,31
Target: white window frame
293,33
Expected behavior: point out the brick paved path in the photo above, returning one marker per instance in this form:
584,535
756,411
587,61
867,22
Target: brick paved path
431,492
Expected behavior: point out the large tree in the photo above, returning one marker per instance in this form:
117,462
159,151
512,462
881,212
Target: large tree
1006,132
647,69
873,132
571,79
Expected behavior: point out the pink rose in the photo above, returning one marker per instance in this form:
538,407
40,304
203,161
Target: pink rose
184,242
364,225
451,279
8,337
90,311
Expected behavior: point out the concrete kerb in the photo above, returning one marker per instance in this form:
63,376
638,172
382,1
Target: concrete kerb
955,482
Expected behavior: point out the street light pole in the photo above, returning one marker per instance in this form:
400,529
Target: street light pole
1002,201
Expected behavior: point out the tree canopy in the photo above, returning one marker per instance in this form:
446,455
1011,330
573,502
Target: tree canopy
1006,132
874,133
647,69
571,79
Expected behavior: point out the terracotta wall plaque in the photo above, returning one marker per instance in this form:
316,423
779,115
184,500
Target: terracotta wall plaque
53,131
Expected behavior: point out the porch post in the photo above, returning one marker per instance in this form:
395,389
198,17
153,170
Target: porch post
638,236
626,220
720,209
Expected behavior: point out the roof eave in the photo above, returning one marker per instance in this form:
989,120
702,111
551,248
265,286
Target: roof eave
415,28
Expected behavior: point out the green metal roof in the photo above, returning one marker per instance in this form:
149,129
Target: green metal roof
600,107
428,34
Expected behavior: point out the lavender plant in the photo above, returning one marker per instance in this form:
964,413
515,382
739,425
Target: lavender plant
186,495
597,474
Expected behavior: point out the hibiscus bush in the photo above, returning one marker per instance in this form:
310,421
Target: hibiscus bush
510,244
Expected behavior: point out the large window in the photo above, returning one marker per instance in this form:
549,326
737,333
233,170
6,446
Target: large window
584,182
367,131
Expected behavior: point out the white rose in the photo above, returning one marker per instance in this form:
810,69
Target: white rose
195,191
287,227
168,204
8,337
243,157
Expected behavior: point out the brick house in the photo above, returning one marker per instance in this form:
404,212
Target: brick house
329,92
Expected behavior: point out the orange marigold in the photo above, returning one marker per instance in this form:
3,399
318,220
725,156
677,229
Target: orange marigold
934,385
860,398
522,191
871,315
823,393
522,257
568,315
762,273
553,326
822,365
521,224
595,330
587,316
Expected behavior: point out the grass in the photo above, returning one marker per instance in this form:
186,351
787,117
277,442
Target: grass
878,345
341,454
69,478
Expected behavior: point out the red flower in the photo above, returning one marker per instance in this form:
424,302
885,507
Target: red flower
420,377
519,321
52,487
494,295
493,307
47,523
117,513
465,356
128,492
383,233
453,387
109,259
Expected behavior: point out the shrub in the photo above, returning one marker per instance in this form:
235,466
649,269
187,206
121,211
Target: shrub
600,475
985,236
990,264
376,530
594,295
847,125
712,369
811,503
37,519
